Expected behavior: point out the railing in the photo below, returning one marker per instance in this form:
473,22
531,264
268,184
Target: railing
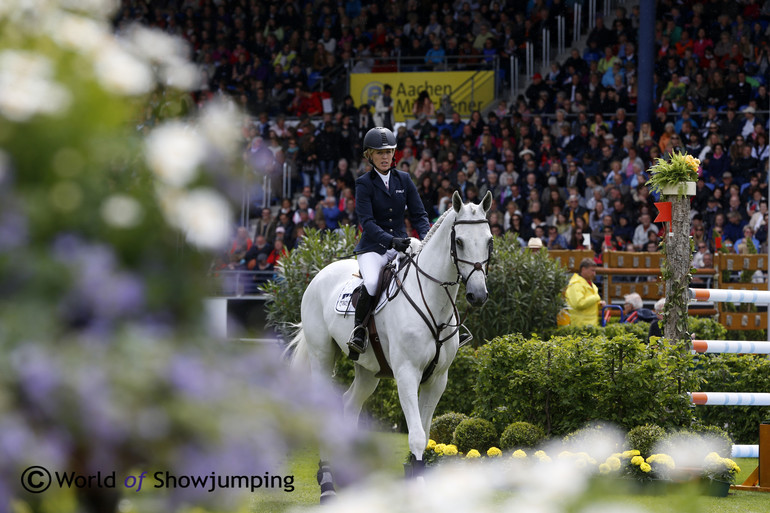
237,282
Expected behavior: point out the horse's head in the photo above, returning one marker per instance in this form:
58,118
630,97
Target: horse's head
471,246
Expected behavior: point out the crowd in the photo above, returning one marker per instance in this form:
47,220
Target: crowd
565,161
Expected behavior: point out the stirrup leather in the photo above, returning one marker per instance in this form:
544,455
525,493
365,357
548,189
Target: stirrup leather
364,340
465,336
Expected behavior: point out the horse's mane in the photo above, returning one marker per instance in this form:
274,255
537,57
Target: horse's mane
432,230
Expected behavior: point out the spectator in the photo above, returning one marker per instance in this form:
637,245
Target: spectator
656,328
634,311
582,295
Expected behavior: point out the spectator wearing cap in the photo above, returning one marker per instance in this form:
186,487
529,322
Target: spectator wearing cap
749,119
535,244
532,93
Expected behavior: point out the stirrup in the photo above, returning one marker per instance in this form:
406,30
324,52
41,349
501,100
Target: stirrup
365,340
465,337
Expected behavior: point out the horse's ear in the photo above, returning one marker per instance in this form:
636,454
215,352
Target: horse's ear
486,203
457,201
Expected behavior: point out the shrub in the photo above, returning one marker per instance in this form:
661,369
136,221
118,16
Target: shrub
443,427
644,438
718,437
297,269
476,434
521,434
579,439
458,395
525,291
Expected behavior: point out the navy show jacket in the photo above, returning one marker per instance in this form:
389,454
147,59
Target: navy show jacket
381,211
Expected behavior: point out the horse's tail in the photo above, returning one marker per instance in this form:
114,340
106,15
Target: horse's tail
296,349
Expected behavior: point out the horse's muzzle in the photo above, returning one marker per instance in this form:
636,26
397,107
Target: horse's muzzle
476,299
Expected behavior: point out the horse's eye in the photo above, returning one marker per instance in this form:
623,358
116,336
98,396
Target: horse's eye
459,243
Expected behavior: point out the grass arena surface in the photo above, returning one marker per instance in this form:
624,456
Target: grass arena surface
305,463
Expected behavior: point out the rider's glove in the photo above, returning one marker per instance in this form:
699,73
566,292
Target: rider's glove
400,244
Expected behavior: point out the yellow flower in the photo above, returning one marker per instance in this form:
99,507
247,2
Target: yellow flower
631,453
662,459
450,450
613,462
692,162
473,453
604,469
494,452
431,444
731,465
637,460
439,448
587,457
565,455
542,456
519,455
645,467
713,459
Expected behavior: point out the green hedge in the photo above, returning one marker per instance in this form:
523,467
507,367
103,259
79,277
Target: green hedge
525,294
562,383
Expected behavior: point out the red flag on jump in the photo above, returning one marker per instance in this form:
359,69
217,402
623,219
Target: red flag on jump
664,212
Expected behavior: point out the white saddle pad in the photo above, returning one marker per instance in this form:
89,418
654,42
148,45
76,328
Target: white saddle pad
343,305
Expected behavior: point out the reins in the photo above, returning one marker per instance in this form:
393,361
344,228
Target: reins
435,327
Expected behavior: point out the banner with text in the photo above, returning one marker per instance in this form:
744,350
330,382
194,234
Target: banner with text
467,90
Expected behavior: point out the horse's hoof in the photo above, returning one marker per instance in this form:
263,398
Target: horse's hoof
328,497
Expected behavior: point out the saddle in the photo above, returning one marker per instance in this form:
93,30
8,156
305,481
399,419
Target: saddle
386,277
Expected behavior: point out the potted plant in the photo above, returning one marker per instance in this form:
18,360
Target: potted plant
718,474
675,177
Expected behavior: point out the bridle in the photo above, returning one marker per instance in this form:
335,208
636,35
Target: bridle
435,327
482,266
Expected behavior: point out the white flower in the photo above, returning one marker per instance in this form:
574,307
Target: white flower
174,152
219,124
78,32
202,215
121,211
121,72
171,54
100,8
181,75
26,88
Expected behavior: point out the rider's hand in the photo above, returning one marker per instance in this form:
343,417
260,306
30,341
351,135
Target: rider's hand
400,244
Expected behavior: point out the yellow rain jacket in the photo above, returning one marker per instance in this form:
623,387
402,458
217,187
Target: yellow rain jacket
583,300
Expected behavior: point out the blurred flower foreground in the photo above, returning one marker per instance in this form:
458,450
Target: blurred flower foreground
106,230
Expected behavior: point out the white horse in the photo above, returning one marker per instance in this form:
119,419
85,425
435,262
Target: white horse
418,328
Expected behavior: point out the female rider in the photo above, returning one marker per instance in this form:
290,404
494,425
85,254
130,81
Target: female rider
382,197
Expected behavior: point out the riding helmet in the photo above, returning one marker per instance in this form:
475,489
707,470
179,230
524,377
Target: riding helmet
379,138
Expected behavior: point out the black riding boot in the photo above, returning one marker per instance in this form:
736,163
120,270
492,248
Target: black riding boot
357,342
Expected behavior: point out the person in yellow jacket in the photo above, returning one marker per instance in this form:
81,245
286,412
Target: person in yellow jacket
583,296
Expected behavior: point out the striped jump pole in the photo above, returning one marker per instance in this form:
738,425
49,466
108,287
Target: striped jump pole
745,451
730,346
730,398
759,297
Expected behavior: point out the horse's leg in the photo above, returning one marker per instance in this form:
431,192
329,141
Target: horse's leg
408,383
430,394
364,384
322,353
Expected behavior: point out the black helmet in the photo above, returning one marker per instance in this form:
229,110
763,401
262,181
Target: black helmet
379,138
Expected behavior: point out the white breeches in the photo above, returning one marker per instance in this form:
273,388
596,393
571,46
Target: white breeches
370,264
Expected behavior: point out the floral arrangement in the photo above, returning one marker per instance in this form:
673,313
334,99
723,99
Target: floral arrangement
720,469
680,168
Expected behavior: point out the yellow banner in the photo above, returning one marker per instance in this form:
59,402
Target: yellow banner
467,90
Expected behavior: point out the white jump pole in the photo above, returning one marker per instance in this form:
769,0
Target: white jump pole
745,451
730,398
759,297
730,346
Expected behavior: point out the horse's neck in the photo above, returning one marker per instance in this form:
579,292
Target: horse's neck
435,260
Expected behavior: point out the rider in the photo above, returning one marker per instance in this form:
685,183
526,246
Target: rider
382,196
